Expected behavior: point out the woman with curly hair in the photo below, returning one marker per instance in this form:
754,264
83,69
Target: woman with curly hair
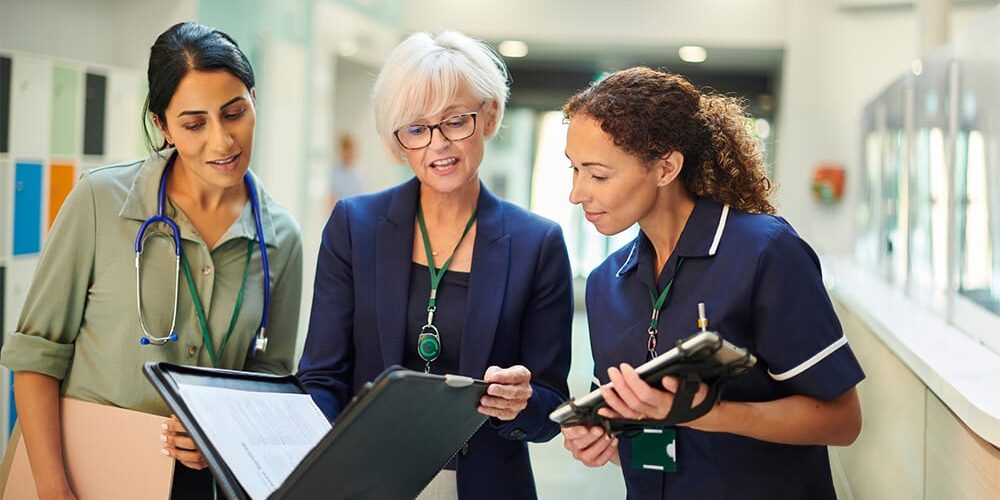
648,147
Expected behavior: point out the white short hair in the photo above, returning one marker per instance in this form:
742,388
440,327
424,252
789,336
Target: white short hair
424,73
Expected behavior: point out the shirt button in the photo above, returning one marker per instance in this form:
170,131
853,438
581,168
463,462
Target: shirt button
518,434
465,449
192,350
206,270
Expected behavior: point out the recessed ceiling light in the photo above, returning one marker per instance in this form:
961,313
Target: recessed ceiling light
513,48
692,53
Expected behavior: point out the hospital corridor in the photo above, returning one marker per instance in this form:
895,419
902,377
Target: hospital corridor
500,250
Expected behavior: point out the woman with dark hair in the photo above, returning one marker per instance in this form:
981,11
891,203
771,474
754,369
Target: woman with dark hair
191,215
647,147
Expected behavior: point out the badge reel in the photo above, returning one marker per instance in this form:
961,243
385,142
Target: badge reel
429,340
429,344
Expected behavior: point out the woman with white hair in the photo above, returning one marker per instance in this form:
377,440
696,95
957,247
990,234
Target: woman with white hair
438,274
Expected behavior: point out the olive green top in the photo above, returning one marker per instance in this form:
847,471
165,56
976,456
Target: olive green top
79,322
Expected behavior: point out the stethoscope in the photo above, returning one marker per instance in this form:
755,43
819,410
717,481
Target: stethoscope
260,338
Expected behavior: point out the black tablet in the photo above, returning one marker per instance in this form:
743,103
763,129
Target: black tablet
702,346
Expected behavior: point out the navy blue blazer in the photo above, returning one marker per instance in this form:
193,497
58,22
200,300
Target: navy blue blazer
519,311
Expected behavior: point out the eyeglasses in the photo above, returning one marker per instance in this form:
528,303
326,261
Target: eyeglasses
455,128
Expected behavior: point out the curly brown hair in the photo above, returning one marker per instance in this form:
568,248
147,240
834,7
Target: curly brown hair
650,113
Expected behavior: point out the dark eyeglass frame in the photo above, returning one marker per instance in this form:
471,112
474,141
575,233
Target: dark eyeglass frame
440,129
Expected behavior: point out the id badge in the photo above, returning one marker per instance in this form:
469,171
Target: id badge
655,449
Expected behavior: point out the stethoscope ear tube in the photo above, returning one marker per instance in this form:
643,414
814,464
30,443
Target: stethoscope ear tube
148,338
260,340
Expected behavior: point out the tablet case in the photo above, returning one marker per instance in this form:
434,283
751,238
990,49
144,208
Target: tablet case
702,357
389,442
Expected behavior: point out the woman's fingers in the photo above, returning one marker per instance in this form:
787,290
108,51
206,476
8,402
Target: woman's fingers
621,397
520,391
191,459
503,404
179,441
590,445
504,409
508,392
179,445
510,376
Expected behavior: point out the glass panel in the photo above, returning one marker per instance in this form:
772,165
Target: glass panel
867,245
929,184
978,187
977,171
893,208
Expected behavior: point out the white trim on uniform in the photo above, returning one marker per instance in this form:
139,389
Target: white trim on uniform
718,230
807,364
627,259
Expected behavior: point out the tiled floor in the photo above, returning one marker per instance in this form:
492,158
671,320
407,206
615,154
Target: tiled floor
557,475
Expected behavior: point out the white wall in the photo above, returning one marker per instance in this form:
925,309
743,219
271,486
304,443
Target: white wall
595,22
112,32
837,60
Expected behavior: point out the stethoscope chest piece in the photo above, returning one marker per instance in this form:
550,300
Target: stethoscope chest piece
260,342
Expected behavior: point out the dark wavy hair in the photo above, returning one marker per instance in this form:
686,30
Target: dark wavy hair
650,113
184,47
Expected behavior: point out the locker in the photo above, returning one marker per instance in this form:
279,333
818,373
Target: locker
27,208
62,176
30,106
3,332
66,84
4,104
6,205
123,136
93,114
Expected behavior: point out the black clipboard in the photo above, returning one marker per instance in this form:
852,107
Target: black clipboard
388,442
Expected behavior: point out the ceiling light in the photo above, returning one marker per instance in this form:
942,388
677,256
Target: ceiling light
692,53
513,48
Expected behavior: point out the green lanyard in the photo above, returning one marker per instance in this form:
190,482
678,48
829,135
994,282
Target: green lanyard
429,340
200,311
658,301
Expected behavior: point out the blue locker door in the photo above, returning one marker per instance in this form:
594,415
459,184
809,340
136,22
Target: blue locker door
27,208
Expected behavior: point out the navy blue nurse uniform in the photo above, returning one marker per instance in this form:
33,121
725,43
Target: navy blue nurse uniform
519,310
762,290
